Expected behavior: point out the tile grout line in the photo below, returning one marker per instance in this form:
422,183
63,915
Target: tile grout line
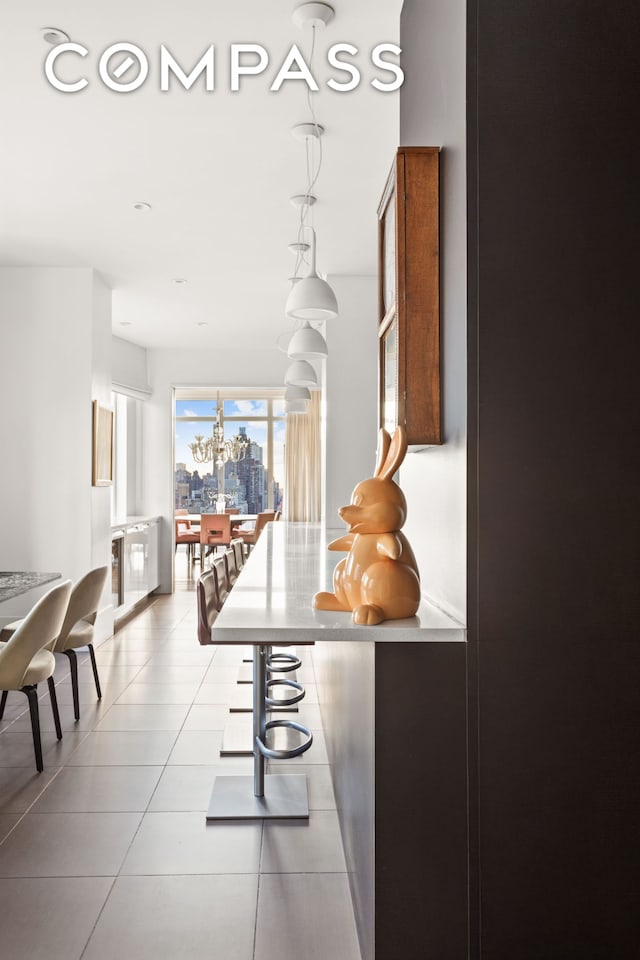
97,920
255,921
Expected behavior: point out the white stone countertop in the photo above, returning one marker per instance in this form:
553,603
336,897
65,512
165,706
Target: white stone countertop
13,583
289,563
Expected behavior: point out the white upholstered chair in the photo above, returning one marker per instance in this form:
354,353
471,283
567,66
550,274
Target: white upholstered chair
78,627
26,658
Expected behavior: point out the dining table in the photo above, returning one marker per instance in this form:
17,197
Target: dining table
236,518
19,590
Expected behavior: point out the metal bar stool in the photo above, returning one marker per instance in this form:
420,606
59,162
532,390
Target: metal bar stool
268,796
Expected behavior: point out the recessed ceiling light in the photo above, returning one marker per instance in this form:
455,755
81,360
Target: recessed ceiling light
202,323
142,206
125,323
179,280
54,35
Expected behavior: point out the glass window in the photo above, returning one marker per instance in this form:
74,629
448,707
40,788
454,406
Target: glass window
249,474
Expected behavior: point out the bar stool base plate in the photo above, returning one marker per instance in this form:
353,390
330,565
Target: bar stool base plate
285,798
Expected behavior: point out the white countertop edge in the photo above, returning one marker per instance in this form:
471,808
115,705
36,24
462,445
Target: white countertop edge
351,633
123,524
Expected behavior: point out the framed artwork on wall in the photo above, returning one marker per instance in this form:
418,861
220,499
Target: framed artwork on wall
409,297
102,459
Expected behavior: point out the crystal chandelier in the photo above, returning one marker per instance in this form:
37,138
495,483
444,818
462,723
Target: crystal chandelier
218,451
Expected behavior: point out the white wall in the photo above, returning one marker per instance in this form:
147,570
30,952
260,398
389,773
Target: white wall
55,330
351,391
129,367
433,113
101,496
130,378
188,368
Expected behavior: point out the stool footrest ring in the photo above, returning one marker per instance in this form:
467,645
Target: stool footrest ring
283,663
272,754
287,701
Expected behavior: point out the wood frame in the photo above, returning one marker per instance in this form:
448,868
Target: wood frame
102,458
409,297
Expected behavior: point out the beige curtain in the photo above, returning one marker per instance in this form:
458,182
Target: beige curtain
302,463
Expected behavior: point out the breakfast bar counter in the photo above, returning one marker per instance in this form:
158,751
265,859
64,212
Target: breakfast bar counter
287,566
393,705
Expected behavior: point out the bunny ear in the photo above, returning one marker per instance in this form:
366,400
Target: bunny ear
395,455
383,448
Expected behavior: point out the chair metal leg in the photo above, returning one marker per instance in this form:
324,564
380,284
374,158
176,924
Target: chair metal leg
31,694
3,702
95,670
73,663
54,707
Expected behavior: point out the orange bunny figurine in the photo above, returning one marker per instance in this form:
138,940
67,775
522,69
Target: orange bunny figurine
379,579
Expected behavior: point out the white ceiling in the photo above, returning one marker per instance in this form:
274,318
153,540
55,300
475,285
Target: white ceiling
218,167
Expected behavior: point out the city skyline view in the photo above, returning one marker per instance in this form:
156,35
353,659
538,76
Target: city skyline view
247,482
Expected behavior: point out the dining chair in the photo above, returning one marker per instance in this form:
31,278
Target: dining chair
232,511
79,625
211,592
207,605
219,568
237,545
231,567
215,530
250,537
26,658
186,533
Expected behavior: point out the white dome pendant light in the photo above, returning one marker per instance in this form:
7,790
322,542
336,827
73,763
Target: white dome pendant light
312,298
307,343
297,393
300,373
295,406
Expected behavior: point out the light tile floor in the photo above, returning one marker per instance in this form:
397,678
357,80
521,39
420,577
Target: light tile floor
107,854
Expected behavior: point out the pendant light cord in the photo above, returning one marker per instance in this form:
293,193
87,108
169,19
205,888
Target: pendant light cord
313,164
